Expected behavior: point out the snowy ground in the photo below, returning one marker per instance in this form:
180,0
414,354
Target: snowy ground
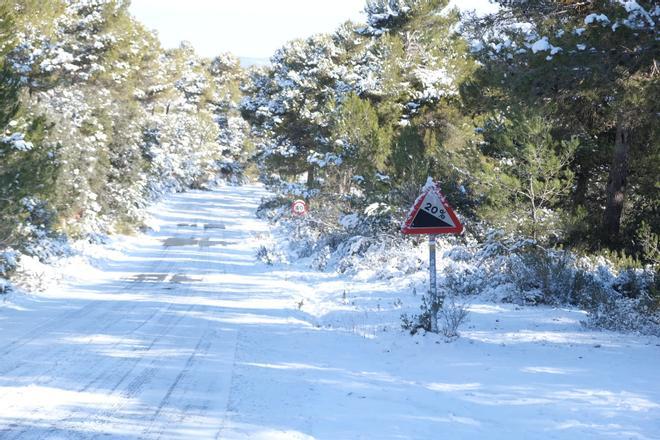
182,334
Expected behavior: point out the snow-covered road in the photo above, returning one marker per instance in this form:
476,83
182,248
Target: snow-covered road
182,334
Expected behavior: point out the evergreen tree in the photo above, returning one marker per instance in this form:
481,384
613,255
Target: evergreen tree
363,145
108,119
528,176
294,103
9,83
592,65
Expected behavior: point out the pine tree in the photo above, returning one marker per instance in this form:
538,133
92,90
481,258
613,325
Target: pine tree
9,82
294,101
361,141
27,171
528,176
592,66
108,120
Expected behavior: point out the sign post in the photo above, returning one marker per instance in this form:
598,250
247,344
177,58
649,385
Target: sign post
433,283
432,215
299,208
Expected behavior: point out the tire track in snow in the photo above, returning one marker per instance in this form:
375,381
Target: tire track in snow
134,383
74,318
175,387
39,330
109,316
231,403
109,323
202,348
71,316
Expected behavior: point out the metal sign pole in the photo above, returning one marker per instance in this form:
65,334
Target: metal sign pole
431,214
433,286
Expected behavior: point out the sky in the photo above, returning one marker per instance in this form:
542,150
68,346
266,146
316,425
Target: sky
247,28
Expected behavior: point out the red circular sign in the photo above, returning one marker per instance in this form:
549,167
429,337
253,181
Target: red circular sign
299,207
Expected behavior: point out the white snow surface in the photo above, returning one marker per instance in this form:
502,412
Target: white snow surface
544,45
183,334
17,141
600,18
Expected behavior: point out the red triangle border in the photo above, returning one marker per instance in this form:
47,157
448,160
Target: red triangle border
408,229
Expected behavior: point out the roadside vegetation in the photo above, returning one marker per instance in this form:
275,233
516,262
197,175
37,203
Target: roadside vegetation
540,123
97,120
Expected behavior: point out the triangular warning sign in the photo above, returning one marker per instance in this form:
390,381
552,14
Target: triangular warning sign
431,214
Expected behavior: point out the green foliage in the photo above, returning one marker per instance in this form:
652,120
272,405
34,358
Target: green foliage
448,311
547,130
9,82
9,88
423,321
361,141
649,243
597,80
528,175
97,119
410,165
23,170
620,259
27,179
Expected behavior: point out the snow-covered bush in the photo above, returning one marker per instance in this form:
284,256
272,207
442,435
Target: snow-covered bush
8,262
453,314
501,268
461,282
414,323
616,299
449,311
542,276
231,171
624,302
269,255
363,242
613,310
5,286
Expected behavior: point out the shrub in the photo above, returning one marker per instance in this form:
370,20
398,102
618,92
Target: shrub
415,323
543,276
464,282
268,255
451,314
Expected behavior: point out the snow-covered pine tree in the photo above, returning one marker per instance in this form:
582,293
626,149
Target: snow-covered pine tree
592,66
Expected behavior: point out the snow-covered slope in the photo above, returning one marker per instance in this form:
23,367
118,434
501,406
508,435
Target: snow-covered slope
183,334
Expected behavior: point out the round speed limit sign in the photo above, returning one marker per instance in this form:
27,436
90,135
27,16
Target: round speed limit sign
299,208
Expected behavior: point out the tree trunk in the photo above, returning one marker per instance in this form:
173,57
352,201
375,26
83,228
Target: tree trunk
310,176
535,217
345,180
616,185
581,182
